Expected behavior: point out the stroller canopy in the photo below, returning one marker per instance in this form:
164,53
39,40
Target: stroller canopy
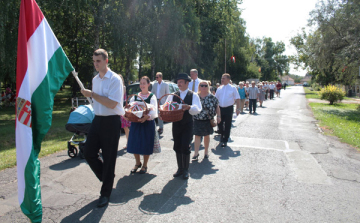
82,115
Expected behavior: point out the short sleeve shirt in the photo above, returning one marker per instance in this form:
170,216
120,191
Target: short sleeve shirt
109,86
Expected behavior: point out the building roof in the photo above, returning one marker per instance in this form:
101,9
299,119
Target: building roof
286,78
306,79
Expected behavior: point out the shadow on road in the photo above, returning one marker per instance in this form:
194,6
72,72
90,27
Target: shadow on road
171,197
200,168
121,152
89,213
127,188
225,153
67,164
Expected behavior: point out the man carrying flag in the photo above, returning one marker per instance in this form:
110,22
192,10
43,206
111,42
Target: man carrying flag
104,134
42,67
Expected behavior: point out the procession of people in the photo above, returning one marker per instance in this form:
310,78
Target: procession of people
203,107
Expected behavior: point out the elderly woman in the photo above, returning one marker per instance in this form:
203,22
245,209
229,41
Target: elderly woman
262,94
202,126
242,93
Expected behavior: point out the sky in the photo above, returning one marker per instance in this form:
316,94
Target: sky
278,19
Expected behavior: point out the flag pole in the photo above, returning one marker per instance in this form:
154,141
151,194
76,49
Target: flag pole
80,84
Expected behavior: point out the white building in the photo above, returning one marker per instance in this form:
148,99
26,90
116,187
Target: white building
288,80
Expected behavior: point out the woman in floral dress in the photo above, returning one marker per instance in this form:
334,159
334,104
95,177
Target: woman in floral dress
202,126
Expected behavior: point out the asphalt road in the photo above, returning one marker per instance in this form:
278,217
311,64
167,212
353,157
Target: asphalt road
278,168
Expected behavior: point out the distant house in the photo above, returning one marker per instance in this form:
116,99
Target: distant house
288,80
306,79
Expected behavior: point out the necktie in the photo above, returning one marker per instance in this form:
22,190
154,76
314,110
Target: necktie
193,88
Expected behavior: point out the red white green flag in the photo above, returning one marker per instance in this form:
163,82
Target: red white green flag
42,67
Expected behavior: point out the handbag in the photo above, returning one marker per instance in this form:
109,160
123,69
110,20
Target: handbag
212,122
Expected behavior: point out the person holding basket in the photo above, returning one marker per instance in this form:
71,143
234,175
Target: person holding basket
182,130
142,133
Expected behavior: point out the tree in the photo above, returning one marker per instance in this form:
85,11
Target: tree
270,58
9,20
331,51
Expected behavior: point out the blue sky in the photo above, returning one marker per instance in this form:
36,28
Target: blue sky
278,19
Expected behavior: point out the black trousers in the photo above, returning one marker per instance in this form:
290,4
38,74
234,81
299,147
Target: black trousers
266,94
225,124
271,94
182,135
252,105
104,134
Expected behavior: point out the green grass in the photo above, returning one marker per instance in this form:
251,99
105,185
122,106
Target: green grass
311,94
55,140
342,120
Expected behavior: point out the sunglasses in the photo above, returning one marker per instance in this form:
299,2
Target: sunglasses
203,85
156,77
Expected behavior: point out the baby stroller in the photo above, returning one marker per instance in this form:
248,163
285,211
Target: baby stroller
79,123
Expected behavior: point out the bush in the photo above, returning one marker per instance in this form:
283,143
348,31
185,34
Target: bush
332,94
358,108
315,87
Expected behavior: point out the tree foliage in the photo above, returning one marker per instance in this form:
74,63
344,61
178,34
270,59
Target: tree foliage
270,58
147,36
331,51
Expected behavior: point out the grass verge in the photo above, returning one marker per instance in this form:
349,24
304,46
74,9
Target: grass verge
55,140
341,120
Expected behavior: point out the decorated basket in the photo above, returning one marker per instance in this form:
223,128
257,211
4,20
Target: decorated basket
171,115
131,116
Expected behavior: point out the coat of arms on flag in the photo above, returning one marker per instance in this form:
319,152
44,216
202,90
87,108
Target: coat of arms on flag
23,111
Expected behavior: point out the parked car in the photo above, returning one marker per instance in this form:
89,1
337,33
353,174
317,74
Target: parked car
135,87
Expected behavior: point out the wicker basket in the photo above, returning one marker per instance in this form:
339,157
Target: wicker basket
129,115
171,116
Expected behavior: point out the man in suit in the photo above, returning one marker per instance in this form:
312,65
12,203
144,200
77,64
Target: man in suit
160,88
194,83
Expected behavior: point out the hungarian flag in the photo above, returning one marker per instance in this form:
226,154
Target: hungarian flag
42,67
233,59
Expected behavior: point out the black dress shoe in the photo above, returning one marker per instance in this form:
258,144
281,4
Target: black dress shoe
224,144
160,131
206,156
186,175
103,201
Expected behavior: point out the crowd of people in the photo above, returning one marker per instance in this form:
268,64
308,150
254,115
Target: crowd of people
8,97
204,107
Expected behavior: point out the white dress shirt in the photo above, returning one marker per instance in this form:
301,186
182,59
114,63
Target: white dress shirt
227,94
197,81
109,86
271,86
195,108
158,89
153,113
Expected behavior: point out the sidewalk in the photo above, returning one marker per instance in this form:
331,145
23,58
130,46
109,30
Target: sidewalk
354,101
